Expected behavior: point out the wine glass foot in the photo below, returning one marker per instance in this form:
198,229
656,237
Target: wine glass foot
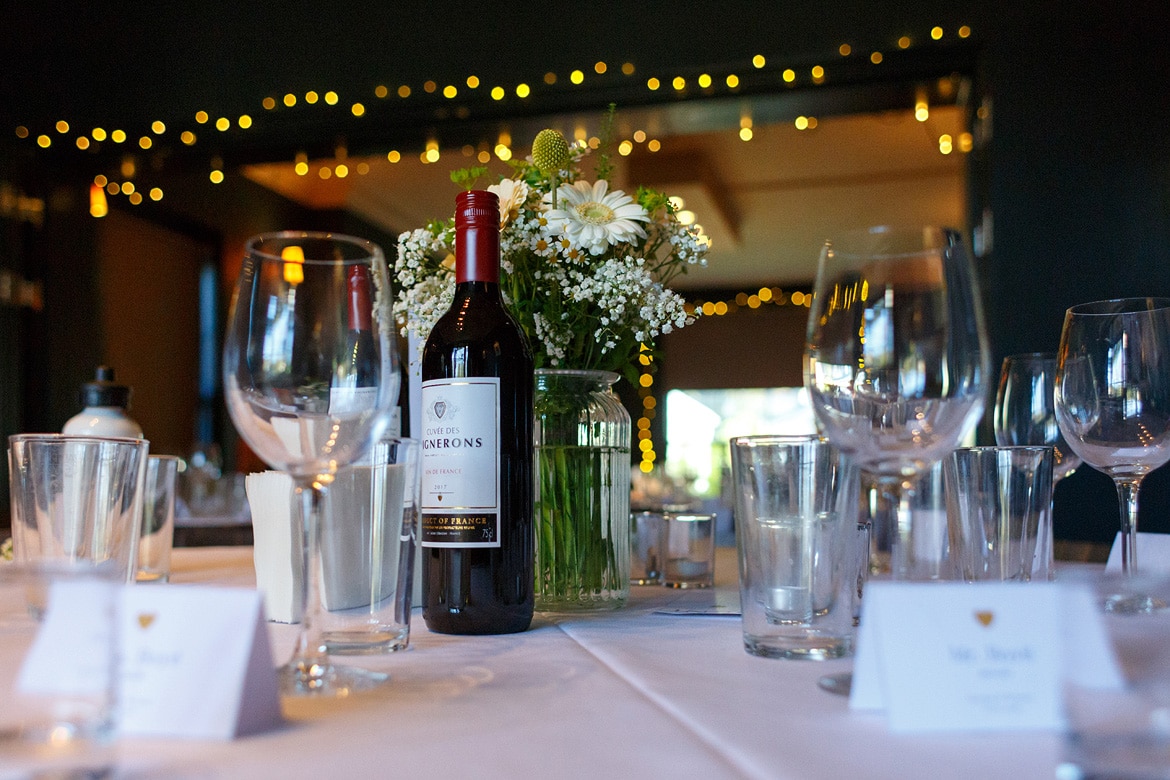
839,684
1134,604
326,680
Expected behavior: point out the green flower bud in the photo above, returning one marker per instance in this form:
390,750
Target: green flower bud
550,151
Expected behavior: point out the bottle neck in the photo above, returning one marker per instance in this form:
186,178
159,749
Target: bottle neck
477,254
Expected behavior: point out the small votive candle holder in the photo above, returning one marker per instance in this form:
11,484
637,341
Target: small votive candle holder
645,548
688,550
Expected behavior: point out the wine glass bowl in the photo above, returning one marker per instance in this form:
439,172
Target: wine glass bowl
310,377
896,362
289,367
1112,396
1025,409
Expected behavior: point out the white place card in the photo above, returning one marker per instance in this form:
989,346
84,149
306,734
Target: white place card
72,652
195,663
974,657
1153,554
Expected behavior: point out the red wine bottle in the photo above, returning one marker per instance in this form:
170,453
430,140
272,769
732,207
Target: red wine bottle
477,533
356,386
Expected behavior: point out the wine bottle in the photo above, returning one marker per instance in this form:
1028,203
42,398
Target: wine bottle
476,528
356,386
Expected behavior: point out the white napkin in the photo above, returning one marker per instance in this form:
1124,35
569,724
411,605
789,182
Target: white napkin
1153,554
276,548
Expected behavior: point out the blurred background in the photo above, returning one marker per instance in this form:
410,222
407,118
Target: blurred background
140,144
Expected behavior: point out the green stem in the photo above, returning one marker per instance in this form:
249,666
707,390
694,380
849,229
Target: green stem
578,560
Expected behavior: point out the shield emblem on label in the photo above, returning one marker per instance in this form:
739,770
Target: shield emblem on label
440,409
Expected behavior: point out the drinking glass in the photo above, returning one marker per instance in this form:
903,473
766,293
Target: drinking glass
1113,398
1025,409
76,500
311,393
896,363
1025,415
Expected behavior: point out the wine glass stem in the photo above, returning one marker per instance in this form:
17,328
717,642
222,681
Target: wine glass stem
309,664
1127,493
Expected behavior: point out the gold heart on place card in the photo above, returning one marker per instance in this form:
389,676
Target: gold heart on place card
985,617
145,619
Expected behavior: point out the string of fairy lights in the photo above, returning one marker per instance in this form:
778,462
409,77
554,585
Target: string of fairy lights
204,126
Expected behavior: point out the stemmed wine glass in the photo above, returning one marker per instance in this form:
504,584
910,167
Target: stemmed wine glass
896,363
1025,414
1113,398
310,374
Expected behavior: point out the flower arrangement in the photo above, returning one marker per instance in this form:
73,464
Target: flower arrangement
584,267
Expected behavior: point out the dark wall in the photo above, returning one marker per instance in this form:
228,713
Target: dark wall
1079,192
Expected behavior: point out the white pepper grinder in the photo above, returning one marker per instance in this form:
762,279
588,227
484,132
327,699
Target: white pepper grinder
106,403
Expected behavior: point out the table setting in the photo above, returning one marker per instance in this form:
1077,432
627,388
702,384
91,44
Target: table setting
572,697
957,646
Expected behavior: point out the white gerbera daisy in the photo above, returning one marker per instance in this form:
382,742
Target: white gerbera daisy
591,219
513,195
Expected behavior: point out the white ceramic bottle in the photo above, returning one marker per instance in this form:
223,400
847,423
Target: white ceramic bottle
106,403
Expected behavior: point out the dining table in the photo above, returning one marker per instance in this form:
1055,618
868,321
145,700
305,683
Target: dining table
660,688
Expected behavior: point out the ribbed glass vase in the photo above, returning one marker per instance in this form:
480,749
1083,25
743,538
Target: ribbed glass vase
582,492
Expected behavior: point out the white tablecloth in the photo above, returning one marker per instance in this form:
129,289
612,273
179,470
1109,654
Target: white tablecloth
632,693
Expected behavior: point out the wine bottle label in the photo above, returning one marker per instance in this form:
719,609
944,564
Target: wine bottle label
460,462
348,400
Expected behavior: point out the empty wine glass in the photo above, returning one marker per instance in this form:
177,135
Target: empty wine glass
896,363
310,375
1113,398
1025,414
1025,409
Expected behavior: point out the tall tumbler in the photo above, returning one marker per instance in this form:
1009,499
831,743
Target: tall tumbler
796,530
997,498
77,500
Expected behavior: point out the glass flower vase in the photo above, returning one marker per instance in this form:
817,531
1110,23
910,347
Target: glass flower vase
582,435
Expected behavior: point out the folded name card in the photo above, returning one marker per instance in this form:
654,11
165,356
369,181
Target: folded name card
195,661
976,657
1153,556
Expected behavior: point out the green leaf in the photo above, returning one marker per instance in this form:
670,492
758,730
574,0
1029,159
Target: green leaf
466,177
